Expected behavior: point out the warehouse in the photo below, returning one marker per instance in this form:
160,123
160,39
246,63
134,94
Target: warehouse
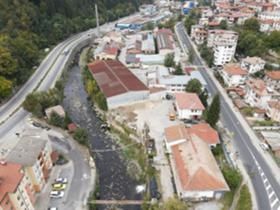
117,83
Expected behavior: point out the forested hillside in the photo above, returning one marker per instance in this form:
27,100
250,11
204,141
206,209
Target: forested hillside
28,26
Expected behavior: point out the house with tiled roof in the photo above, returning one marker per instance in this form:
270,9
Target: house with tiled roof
188,105
273,110
197,176
16,192
272,79
233,75
257,93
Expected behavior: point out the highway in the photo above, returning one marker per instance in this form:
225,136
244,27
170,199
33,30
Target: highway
266,187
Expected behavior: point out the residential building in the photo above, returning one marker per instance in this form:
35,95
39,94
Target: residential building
272,79
273,110
134,48
272,139
233,75
257,94
252,64
198,34
106,51
34,155
118,84
270,15
165,41
148,9
197,176
188,105
16,192
224,44
269,25
148,44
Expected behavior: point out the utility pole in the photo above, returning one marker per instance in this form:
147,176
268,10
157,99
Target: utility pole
97,20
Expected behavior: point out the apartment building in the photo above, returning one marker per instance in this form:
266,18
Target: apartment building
223,43
270,15
257,94
252,64
269,25
233,75
16,192
34,155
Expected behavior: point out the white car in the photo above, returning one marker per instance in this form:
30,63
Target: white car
56,194
61,180
264,146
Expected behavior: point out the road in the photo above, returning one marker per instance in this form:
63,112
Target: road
266,187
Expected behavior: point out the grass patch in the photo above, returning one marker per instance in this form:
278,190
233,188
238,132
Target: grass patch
245,201
265,123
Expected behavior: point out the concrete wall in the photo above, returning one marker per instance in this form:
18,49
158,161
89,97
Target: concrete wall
127,98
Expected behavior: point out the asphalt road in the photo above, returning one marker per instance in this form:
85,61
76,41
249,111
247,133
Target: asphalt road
266,187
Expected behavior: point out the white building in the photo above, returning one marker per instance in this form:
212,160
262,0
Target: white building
269,25
233,75
257,94
270,15
148,9
198,34
148,44
188,105
252,64
196,174
224,44
118,84
273,110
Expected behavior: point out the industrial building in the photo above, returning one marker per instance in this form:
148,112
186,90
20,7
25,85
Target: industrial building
119,85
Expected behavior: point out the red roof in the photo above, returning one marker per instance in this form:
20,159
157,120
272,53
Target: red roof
205,132
275,75
10,178
234,69
188,101
71,127
113,78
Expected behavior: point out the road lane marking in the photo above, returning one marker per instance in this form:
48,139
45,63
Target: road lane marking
271,194
274,202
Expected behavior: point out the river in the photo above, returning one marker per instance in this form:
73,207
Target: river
113,180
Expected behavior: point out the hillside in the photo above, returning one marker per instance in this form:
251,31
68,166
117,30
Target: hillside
28,26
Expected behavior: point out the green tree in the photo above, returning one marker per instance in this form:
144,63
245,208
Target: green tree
207,54
5,88
223,25
252,24
8,65
169,60
194,86
56,120
213,112
232,177
273,41
175,204
178,70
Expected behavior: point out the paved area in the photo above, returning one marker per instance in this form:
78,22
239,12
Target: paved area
210,205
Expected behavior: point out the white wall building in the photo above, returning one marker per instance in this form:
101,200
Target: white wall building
252,64
270,15
188,105
198,34
233,75
224,44
257,94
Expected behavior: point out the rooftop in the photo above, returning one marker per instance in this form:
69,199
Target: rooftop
10,177
272,138
275,75
188,101
234,69
274,104
26,151
258,86
165,39
253,60
113,78
196,167
175,133
205,132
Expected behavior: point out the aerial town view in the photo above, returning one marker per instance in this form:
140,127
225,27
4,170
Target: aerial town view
140,105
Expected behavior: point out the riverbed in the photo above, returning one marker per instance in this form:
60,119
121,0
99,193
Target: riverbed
113,180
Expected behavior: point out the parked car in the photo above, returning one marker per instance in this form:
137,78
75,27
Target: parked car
264,146
61,180
52,208
58,186
56,194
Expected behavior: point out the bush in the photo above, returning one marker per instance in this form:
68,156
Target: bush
81,136
233,177
56,120
245,201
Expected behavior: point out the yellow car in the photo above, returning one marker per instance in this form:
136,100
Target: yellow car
58,186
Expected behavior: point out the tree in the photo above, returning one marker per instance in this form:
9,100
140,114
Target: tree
169,60
81,136
223,25
8,65
178,70
252,24
5,88
213,112
175,204
56,120
232,177
207,54
273,41
194,86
